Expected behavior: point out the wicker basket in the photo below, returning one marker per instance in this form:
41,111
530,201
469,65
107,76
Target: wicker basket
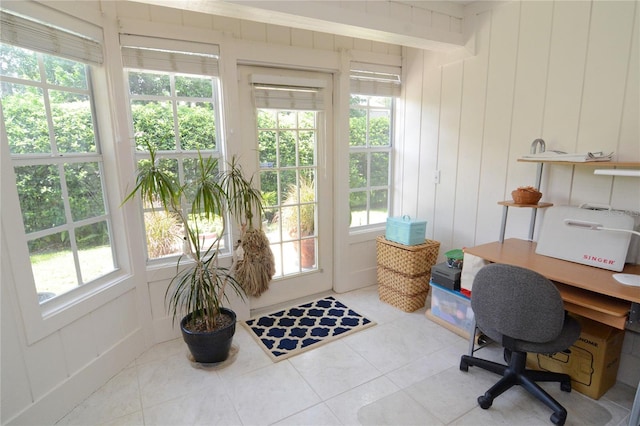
526,197
403,272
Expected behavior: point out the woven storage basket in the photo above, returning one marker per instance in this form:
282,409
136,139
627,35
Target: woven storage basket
403,272
526,197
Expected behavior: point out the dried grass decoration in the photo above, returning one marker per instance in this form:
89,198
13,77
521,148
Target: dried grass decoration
255,264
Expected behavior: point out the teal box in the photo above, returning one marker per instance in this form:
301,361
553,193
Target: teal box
406,231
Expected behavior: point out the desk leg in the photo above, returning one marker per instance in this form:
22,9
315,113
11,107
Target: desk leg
503,225
472,339
532,223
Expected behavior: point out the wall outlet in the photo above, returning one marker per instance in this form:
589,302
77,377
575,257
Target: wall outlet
436,176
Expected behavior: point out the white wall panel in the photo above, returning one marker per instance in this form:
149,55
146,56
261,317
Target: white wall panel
45,363
79,342
407,166
15,392
474,87
498,116
107,326
528,104
567,57
448,149
604,89
430,93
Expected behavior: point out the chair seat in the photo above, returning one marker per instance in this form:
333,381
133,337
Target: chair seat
567,337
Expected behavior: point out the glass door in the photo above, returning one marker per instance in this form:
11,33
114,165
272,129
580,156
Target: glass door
289,113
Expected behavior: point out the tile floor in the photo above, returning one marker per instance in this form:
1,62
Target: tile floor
403,371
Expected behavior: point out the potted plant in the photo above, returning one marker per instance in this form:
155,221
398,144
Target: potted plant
299,222
197,291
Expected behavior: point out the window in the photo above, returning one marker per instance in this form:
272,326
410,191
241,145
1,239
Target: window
370,142
48,116
174,100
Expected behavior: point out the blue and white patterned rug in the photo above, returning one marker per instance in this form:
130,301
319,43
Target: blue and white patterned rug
294,330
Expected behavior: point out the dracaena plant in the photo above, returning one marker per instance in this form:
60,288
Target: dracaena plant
200,282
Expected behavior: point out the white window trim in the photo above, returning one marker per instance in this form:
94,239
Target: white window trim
42,320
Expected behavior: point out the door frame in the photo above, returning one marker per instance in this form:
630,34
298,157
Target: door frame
305,284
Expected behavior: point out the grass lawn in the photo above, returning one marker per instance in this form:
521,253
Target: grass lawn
56,273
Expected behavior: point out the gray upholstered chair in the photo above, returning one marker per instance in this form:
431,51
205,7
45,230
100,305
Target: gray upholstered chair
523,311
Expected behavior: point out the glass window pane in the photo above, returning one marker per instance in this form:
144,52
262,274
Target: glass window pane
378,206
358,131
66,73
147,83
359,100
266,119
357,170
288,180
358,208
380,128
287,119
84,186
267,148
153,124
94,251
193,87
287,144
53,266
290,224
380,102
269,187
72,122
196,121
25,119
306,147
307,119
164,234
19,63
40,197
379,169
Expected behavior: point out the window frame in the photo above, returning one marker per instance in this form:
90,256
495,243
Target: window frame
373,80
41,320
369,150
157,46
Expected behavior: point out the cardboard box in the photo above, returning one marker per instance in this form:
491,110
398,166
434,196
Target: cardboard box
593,360
452,307
406,231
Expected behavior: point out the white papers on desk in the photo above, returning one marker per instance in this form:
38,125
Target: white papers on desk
576,158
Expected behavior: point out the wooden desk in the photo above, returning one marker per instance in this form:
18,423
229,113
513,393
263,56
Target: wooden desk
586,290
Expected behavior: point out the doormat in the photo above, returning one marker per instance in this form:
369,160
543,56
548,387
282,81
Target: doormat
298,329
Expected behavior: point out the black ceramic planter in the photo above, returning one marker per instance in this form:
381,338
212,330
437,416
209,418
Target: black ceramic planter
210,347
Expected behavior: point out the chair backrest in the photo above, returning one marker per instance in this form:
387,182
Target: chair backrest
518,303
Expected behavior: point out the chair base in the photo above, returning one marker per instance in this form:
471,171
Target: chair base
516,373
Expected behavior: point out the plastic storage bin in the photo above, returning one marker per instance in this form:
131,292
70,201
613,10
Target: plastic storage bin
452,307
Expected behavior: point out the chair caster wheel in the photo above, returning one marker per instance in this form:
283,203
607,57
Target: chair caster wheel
463,365
565,386
485,401
558,418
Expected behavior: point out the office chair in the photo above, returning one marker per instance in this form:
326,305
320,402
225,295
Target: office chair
523,311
